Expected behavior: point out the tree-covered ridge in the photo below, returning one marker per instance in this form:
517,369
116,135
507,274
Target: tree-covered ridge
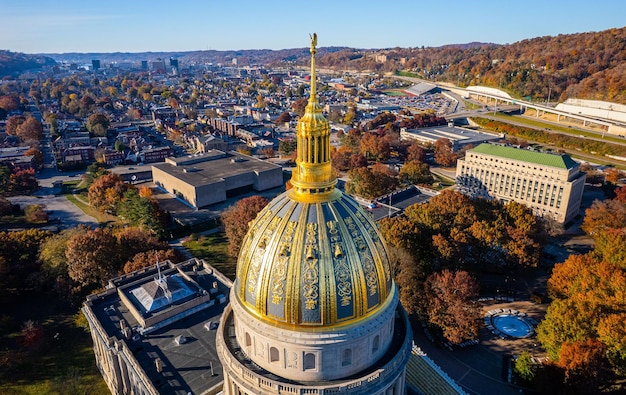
14,62
583,65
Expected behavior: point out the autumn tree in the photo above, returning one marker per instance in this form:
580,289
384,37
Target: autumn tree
37,155
13,123
53,274
18,257
286,147
409,275
284,117
612,333
444,153
236,219
374,147
585,364
133,240
92,259
29,130
415,172
612,175
451,304
106,192
415,153
604,215
93,171
9,102
352,140
149,258
35,213
98,124
356,161
269,152
609,246
340,159
587,305
524,367
299,105
23,182
369,183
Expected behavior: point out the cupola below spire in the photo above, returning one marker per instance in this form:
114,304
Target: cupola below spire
313,178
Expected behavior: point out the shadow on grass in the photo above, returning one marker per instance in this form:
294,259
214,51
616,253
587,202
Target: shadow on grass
214,250
63,361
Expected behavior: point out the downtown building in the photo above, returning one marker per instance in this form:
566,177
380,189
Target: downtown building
550,184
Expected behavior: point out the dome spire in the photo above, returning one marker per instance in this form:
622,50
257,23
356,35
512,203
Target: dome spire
313,179
313,50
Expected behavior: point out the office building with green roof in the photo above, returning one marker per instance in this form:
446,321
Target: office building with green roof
551,184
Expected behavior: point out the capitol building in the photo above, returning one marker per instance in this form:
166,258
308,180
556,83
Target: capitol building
314,308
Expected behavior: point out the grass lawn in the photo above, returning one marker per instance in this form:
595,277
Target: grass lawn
441,182
213,249
395,93
61,365
80,201
538,123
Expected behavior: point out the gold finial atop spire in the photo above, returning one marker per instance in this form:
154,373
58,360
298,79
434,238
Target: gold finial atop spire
312,179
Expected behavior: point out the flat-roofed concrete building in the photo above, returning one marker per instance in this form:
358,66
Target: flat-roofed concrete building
212,177
459,137
552,185
154,330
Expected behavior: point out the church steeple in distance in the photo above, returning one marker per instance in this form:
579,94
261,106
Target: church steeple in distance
313,179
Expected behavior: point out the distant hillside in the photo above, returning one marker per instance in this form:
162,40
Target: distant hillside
14,62
244,57
584,65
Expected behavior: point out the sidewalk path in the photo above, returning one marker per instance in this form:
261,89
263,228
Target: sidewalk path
177,244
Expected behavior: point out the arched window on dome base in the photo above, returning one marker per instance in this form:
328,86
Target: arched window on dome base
274,354
309,361
375,344
346,358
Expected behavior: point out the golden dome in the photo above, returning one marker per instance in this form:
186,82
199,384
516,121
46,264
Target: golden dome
313,256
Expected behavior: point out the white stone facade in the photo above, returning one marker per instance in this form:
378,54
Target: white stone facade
554,192
327,354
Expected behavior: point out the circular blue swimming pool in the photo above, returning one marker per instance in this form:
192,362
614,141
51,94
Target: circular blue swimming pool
512,325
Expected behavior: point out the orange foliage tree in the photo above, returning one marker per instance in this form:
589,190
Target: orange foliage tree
451,304
106,192
236,219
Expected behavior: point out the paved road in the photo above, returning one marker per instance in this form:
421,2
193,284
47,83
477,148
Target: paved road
58,207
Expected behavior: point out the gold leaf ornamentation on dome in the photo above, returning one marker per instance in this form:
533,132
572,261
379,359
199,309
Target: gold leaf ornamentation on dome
279,274
247,241
272,226
370,274
351,226
342,274
253,272
367,262
310,274
332,229
374,235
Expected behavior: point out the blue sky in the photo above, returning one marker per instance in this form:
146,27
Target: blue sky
52,26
